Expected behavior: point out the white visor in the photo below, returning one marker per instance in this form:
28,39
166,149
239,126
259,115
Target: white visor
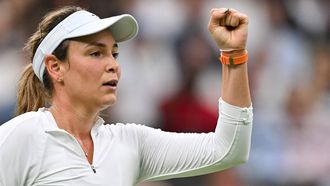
82,23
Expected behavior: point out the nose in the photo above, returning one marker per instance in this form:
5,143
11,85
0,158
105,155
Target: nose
112,66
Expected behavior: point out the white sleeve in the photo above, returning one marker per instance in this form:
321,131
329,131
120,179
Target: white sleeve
166,155
18,153
9,172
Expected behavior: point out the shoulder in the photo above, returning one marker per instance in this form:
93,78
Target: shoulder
21,127
128,130
120,128
21,146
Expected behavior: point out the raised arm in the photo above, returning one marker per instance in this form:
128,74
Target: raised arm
229,29
169,155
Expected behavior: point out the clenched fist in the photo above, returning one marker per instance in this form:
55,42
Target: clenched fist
229,29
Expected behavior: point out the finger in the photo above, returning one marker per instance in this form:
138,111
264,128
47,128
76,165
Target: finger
218,10
243,19
222,22
217,14
232,20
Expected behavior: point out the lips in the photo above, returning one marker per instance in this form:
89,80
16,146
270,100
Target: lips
111,83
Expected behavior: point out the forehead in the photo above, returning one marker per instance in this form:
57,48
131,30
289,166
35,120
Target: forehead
105,37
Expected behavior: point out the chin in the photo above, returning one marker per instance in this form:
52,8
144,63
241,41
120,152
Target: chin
108,103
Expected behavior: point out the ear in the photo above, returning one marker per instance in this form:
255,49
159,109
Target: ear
53,66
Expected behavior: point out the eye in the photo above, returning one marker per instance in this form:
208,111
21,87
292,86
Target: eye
115,55
95,54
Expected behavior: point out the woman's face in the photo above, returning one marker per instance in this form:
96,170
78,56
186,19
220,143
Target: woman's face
92,72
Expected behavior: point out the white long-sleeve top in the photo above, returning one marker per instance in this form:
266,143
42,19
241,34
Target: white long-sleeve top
35,152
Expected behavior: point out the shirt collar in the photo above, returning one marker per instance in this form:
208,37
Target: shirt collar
51,126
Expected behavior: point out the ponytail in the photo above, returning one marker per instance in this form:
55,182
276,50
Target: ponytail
31,93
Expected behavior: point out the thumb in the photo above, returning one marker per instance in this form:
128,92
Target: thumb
217,14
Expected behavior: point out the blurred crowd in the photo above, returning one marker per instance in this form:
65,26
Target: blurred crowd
171,76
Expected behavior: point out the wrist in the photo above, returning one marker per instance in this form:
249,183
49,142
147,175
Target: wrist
232,58
234,53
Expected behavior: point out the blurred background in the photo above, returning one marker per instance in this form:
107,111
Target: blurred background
171,76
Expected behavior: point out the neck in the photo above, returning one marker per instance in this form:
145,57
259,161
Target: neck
76,120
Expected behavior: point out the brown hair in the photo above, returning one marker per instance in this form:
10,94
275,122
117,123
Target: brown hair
32,93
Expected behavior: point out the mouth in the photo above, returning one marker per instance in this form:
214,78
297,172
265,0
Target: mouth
111,83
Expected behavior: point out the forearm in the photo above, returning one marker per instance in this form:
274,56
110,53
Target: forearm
235,85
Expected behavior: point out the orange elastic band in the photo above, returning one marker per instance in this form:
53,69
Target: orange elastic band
229,60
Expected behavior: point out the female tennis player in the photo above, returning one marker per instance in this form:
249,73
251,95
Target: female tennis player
58,137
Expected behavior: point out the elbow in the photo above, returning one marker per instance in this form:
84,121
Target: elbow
240,149
242,159
233,160
236,160
238,154
237,143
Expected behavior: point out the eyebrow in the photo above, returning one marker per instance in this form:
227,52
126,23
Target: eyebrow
101,45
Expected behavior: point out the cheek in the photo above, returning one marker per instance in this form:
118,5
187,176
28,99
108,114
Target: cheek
84,75
92,76
119,72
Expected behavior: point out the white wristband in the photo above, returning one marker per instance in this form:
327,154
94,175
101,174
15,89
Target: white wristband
229,50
